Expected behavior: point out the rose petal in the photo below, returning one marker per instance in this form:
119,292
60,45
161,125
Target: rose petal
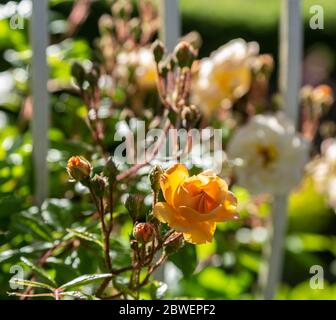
225,211
166,214
200,233
171,179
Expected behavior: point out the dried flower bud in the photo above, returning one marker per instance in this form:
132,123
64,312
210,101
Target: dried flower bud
98,185
78,72
158,50
163,69
105,24
122,9
174,242
154,177
135,29
263,65
133,205
184,54
306,95
194,38
110,169
190,114
93,76
79,168
143,232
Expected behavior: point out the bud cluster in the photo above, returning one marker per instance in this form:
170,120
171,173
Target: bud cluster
174,79
121,31
80,169
318,100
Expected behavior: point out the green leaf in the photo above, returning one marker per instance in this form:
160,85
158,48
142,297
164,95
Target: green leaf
78,295
34,284
85,279
39,271
185,259
34,226
86,236
36,247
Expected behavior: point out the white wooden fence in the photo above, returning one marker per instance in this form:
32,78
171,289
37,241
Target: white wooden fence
289,83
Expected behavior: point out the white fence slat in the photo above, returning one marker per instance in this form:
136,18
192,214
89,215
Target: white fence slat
291,43
40,98
170,23
170,32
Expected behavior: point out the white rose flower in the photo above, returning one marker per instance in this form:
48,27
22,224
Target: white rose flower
272,155
226,74
323,171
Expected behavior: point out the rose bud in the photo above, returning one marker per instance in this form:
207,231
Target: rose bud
78,73
111,169
184,54
323,94
143,232
133,205
98,185
154,177
158,50
79,168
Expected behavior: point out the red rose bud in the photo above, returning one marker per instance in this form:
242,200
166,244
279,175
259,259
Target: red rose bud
184,54
143,232
79,168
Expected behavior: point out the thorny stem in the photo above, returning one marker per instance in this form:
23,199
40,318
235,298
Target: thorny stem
152,269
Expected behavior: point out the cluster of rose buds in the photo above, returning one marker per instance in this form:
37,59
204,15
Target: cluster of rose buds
122,31
148,238
89,90
174,80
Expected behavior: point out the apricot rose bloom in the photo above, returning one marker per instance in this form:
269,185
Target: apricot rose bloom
194,204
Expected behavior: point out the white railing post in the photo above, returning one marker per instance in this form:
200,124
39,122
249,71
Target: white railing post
170,32
291,43
40,121
170,23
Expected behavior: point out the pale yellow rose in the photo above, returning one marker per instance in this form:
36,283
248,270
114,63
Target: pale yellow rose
225,75
194,204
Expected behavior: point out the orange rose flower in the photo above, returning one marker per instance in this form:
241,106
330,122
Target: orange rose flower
194,204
